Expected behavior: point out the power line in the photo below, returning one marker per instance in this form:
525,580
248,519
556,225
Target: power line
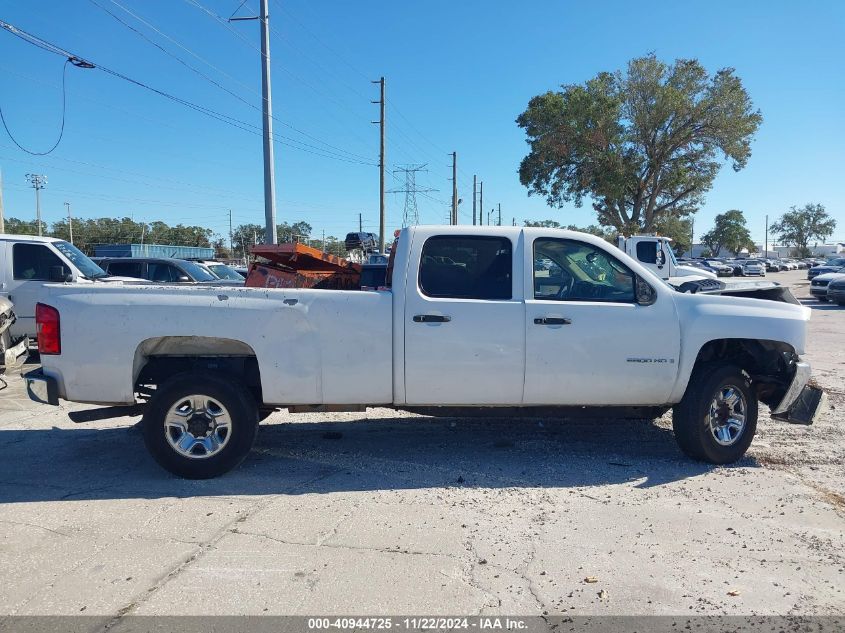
211,80
61,129
224,118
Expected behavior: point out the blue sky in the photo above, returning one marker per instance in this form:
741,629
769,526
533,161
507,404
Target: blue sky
458,74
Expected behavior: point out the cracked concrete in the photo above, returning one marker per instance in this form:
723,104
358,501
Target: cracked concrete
405,514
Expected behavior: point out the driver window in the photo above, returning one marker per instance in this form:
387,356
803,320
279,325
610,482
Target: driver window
568,270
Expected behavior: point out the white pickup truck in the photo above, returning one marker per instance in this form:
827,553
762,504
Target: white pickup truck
498,318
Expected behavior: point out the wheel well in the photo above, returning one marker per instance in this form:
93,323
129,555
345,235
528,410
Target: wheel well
769,364
159,359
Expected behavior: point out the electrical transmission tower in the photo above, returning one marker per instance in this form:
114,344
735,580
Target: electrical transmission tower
411,215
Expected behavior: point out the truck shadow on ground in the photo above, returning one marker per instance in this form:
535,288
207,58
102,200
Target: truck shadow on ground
54,464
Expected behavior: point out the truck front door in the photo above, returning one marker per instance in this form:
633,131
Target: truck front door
464,322
588,341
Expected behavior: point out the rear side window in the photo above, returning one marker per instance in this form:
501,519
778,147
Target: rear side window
467,267
33,261
159,271
127,269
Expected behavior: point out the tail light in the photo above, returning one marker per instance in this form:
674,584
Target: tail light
47,327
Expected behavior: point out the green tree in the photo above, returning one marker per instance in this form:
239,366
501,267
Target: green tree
680,230
642,145
797,227
296,232
14,226
730,232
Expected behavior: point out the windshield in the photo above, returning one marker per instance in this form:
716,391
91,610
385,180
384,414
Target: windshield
222,271
198,273
671,253
79,259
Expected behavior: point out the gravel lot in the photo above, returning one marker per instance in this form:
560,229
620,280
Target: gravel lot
389,513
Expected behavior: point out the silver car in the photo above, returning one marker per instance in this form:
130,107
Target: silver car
753,267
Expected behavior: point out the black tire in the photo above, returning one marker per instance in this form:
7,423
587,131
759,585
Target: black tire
823,299
233,398
691,416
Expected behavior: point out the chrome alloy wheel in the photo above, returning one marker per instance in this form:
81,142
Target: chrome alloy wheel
197,427
727,414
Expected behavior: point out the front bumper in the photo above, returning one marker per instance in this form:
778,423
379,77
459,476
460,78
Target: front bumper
836,295
802,403
42,388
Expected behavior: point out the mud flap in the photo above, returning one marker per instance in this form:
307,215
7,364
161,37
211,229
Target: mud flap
808,406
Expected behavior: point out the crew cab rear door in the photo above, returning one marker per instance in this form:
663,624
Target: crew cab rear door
464,321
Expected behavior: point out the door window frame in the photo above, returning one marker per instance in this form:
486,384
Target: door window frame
529,273
514,257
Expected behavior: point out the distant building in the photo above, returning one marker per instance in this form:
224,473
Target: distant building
153,250
699,249
816,250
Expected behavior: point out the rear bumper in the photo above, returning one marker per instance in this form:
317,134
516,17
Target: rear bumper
42,388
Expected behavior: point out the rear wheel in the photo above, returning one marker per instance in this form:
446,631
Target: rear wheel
200,426
717,418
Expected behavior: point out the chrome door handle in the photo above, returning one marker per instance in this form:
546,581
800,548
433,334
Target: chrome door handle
431,318
552,321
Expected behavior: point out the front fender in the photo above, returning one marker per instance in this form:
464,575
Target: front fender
706,318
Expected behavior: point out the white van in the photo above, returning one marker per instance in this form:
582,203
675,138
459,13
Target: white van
27,262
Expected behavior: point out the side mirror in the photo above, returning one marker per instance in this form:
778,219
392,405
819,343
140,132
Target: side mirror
660,257
183,278
59,274
645,294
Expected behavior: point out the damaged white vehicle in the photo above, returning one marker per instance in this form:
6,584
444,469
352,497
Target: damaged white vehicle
499,320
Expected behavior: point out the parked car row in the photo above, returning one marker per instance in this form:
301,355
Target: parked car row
754,266
170,270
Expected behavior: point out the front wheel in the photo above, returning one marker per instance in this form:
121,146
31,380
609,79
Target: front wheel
200,426
717,418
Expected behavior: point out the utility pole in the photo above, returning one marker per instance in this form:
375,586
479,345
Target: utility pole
267,125
481,203
692,235
69,221
454,188
381,165
2,216
38,182
500,214
513,222
473,199
231,242
766,248
360,224
492,211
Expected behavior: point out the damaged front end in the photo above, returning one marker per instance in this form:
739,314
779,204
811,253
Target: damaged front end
782,382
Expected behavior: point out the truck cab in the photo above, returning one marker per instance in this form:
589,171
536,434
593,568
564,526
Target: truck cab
656,254
27,262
